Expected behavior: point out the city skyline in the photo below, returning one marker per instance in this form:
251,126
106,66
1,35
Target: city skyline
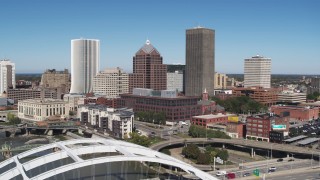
36,32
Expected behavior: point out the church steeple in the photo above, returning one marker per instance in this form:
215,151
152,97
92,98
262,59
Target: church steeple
205,96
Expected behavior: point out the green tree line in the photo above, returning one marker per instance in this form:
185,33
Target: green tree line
192,151
151,117
241,104
201,132
313,96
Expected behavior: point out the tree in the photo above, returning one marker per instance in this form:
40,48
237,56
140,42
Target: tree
137,139
166,151
191,151
12,119
223,154
198,131
72,113
203,158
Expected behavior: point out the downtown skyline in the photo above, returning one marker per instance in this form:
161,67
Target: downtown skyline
36,35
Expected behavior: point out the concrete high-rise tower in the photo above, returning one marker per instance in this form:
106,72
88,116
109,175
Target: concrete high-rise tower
85,58
257,72
7,75
200,53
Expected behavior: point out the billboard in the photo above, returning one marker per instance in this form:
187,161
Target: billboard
233,119
279,127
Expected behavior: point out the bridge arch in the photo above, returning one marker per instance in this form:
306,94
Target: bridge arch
75,148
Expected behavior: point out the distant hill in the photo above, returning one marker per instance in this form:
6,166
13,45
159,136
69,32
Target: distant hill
276,77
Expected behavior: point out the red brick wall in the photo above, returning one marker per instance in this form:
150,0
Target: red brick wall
302,114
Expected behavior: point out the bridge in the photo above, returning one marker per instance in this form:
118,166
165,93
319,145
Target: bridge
74,149
241,142
24,147
13,128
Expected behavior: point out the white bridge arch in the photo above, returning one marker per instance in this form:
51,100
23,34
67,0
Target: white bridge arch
71,148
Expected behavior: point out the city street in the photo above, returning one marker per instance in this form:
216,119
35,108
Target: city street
263,167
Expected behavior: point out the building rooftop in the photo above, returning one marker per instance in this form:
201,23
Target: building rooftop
42,101
293,107
295,138
210,116
308,141
148,48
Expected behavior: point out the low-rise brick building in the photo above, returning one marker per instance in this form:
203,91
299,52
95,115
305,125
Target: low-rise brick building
259,126
176,108
265,96
301,113
204,120
236,130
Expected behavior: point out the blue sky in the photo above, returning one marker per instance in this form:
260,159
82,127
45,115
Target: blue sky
36,34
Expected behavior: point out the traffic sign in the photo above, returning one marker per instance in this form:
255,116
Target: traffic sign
256,172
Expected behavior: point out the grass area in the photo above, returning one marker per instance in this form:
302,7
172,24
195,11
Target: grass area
183,135
77,133
154,126
60,137
155,140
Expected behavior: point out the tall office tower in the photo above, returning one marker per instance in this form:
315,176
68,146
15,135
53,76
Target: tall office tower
111,83
7,75
85,58
257,72
148,70
200,52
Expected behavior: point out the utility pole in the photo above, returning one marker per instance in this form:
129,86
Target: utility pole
311,159
214,163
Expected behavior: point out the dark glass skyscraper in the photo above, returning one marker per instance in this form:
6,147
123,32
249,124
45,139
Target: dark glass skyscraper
199,61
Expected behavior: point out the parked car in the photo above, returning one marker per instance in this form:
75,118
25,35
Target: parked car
291,160
246,174
221,173
231,176
272,168
280,160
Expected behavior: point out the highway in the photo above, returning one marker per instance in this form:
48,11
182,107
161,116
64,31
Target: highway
248,143
161,131
305,173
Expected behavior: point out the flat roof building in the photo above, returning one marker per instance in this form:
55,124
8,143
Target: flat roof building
301,113
85,63
200,61
176,108
111,83
265,96
41,109
291,97
257,72
7,75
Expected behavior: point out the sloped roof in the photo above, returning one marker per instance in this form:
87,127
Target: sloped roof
148,48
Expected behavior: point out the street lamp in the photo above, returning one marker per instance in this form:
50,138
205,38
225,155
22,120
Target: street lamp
311,159
291,161
271,152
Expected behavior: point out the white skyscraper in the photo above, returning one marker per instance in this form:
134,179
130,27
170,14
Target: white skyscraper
7,75
257,72
85,58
